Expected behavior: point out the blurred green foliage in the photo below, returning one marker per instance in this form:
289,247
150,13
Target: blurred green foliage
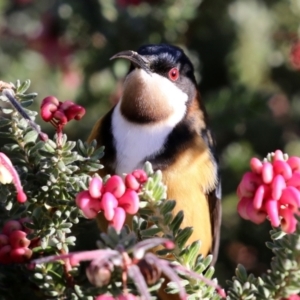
248,76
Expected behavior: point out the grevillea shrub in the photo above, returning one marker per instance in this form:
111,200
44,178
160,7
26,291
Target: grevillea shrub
50,194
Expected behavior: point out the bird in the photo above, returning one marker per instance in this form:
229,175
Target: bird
161,118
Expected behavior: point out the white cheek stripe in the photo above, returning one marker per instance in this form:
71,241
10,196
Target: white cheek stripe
134,142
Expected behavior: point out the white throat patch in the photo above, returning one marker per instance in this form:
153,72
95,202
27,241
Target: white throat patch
134,142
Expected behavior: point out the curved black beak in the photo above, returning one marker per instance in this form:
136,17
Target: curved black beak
137,60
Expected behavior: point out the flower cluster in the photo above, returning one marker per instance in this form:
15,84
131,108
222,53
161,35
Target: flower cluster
271,189
8,174
115,198
14,244
60,113
141,266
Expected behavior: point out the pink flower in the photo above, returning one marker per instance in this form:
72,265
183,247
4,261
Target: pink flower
60,113
295,55
271,189
15,247
8,174
292,297
115,198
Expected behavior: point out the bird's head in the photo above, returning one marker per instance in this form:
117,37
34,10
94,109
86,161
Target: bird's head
159,86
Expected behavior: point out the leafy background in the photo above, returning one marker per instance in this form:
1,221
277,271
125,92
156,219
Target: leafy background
247,64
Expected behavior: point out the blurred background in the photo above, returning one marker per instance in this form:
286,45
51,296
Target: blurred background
247,59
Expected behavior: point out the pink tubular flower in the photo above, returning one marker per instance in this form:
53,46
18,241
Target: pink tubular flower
142,267
60,113
271,189
15,247
8,174
115,198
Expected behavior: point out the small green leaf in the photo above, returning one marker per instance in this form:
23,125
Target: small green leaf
23,87
65,225
4,122
6,111
45,153
69,146
241,273
26,103
38,276
175,224
98,153
31,136
167,206
150,232
24,97
183,236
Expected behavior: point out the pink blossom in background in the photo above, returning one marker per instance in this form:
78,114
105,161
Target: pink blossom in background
15,247
8,174
271,188
295,55
60,113
114,199
292,297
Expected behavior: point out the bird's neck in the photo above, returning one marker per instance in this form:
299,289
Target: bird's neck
134,142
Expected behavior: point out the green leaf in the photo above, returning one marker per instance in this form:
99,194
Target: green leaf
26,103
38,276
175,224
45,153
81,148
31,136
23,87
37,146
192,252
6,111
4,122
98,153
65,225
150,232
26,96
241,273
167,218
183,236
69,146
167,206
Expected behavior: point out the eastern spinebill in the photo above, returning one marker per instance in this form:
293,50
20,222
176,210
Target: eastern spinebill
161,118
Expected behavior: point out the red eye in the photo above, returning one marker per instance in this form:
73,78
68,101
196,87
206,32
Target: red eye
174,74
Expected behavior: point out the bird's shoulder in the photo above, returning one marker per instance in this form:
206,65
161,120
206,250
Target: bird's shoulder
102,133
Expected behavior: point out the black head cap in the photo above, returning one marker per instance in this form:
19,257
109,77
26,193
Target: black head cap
163,57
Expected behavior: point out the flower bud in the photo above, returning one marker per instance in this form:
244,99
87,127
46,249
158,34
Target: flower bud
140,175
99,276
